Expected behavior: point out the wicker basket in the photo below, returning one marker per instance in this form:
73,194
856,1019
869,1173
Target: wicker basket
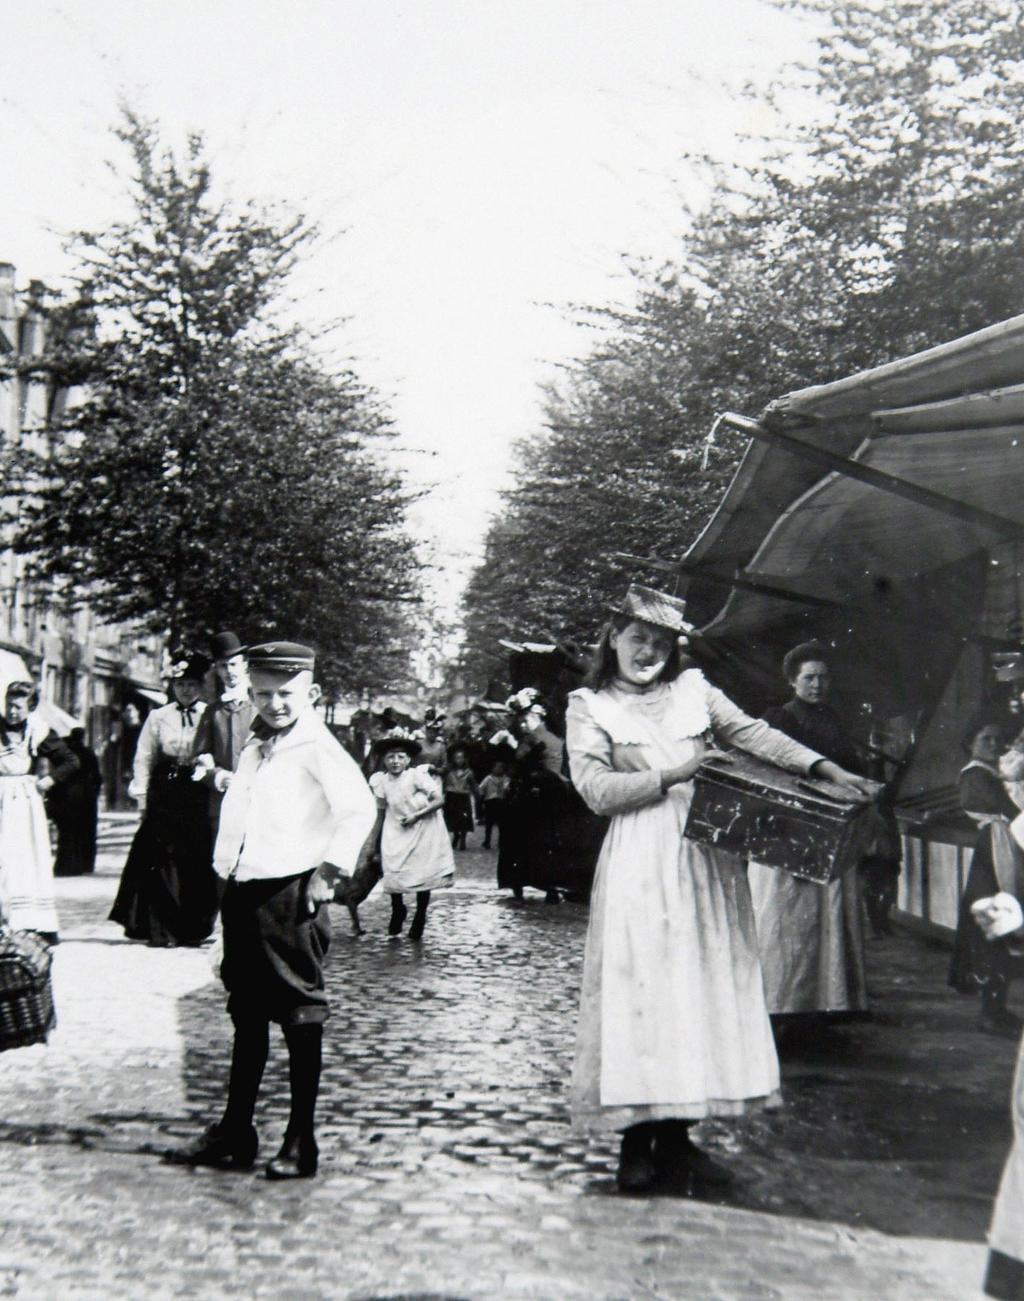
26,993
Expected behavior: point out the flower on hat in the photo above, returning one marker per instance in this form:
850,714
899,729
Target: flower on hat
396,738
523,701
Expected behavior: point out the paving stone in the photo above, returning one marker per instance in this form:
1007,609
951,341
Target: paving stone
448,1168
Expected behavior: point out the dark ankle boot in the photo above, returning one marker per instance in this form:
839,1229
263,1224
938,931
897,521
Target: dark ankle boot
677,1156
399,912
420,918
637,1170
297,1158
219,1147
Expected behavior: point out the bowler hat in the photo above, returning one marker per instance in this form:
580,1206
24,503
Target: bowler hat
280,657
223,645
651,606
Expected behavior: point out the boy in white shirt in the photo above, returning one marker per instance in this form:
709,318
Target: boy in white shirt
295,820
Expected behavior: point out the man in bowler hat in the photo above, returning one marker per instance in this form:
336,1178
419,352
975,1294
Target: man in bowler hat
224,727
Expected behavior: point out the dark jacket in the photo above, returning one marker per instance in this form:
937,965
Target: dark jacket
221,733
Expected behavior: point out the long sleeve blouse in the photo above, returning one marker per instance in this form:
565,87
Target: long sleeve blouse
611,774
167,735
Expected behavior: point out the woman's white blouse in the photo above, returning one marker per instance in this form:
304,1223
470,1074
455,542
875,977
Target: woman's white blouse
605,753
165,736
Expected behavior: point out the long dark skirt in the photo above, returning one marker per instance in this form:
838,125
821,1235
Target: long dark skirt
458,812
74,812
168,890
980,965
549,838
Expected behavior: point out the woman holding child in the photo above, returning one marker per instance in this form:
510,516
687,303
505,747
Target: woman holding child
673,1023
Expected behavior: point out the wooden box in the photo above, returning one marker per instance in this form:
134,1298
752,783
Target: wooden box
809,828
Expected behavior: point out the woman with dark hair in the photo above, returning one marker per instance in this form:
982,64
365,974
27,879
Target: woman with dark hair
811,936
980,966
26,862
673,1025
168,891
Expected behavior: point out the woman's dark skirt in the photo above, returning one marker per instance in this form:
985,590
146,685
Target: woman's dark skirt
168,891
980,965
274,951
549,838
458,812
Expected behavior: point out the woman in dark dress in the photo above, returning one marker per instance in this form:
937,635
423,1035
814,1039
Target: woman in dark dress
981,966
168,891
73,805
529,853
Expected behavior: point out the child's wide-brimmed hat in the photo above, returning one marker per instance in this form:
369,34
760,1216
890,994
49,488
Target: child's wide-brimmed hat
397,739
651,606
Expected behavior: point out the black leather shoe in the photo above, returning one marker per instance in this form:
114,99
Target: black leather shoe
398,916
416,929
676,1156
297,1159
637,1171
221,1148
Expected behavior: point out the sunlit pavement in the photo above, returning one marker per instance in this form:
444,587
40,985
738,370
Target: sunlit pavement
447,1165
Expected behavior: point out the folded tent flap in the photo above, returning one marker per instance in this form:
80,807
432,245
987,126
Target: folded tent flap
906,512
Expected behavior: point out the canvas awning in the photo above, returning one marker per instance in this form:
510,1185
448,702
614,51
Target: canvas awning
883,512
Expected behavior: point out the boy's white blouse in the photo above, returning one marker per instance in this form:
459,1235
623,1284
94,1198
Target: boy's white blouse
292,805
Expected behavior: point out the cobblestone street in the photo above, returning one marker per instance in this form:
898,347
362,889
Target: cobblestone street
447,1166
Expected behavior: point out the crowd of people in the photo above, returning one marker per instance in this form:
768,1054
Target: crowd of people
253,812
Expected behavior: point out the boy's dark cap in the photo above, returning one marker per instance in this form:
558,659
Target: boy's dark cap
223,645
280,657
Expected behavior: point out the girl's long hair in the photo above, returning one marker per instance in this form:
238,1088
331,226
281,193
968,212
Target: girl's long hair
604,666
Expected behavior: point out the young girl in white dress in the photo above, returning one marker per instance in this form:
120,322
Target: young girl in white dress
416,854
673,1024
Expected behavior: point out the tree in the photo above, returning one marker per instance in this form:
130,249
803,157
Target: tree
889,219
213,473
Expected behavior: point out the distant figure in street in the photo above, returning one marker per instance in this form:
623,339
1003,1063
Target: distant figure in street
26,862
433,752
74,805
296,819
460,795
530,850
415,851
224,726
982,966
811,936
168,892
494,797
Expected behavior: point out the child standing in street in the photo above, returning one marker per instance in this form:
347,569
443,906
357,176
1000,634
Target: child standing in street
415,853
493,794
460,795
295,819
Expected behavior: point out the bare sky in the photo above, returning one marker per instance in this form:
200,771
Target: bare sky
490,161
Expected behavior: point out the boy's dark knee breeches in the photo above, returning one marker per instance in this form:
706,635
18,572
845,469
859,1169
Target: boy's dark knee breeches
274,951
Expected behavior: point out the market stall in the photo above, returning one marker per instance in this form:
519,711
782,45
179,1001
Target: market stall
884,515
